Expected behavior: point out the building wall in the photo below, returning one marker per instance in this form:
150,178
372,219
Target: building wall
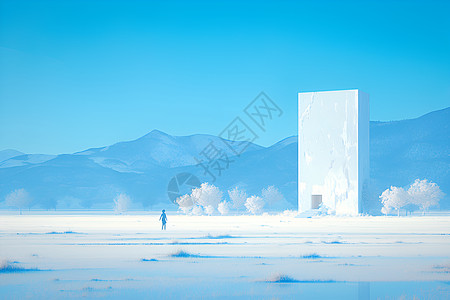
332,162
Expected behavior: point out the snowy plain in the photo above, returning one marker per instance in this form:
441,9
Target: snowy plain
98,254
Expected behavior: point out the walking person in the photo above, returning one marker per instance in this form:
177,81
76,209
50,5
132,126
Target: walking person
163,219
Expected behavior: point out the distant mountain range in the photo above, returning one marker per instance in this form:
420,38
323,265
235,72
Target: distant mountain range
400,152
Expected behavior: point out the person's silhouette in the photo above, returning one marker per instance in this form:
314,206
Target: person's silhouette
163,219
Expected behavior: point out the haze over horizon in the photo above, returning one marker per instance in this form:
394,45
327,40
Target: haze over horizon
200,133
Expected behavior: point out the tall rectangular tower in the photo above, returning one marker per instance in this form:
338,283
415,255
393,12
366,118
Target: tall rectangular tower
333,150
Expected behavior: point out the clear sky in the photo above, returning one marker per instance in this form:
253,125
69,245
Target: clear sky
81,74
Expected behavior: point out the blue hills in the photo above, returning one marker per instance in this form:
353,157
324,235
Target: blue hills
400,152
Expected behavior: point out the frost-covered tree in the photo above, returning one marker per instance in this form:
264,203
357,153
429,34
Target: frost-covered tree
204,199
425,194
271,194
19,198
224,208
207,195
197,210
185,201
421,193
385,210
121,203
254,205
395,197
209,210
238,197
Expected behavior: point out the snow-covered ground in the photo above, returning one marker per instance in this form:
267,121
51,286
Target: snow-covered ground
261,257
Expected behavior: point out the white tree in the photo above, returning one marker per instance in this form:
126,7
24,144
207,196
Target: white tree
207,195
202,200
209,210
238,197
385,210
224,208
254,204
19,198
425,194
395,197
197,210
421,193
185,201
271,194
121,203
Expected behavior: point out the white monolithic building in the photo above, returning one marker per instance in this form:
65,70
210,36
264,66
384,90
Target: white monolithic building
333,150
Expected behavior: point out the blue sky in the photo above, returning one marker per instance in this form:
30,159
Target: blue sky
81,74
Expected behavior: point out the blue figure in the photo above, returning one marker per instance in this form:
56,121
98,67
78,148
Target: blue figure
163,219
